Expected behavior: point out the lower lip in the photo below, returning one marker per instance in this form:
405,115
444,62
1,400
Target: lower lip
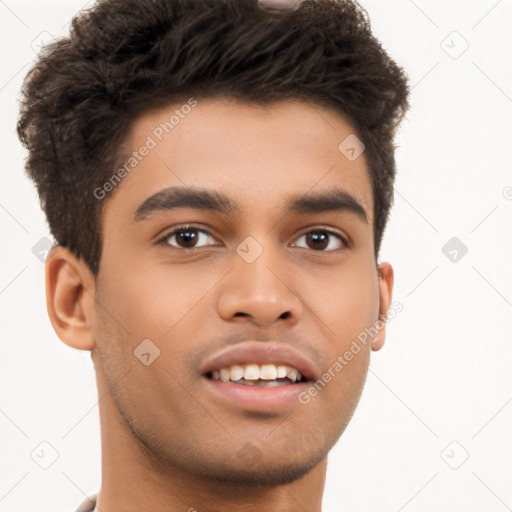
258,398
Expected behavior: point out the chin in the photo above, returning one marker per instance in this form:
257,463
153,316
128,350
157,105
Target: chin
260,474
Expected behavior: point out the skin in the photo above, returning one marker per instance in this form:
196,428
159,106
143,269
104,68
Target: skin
167,444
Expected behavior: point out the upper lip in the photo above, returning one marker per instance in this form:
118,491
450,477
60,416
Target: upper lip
262,352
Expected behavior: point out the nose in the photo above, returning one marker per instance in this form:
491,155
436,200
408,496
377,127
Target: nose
260,292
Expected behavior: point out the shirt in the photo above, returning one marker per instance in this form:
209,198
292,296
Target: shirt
88,504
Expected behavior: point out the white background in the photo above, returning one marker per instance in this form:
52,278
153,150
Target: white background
443,378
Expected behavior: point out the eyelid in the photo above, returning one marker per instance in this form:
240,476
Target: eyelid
307,229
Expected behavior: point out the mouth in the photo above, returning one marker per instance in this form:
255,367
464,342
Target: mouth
256,376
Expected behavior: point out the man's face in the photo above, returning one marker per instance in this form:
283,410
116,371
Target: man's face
254,276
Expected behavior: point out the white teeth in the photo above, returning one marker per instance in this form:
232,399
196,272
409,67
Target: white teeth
281,372
254,374
224,374
291,373
267,372
236,372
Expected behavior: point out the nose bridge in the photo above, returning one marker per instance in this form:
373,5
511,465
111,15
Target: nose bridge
258,266
258,285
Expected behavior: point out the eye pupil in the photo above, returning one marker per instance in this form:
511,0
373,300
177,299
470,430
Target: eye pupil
318,236
186,235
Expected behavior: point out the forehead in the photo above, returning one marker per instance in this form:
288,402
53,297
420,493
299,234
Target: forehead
260,156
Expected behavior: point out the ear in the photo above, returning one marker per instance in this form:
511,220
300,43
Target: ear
386,278
70,298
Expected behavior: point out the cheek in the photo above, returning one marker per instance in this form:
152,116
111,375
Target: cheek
347,302
149,299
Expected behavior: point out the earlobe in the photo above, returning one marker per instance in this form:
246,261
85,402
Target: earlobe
70,292
386,279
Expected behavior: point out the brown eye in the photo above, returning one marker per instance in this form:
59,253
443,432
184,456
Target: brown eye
320,239
187,238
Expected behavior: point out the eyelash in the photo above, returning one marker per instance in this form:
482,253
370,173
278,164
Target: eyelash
164,240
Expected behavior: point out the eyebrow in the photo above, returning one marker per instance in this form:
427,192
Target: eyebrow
172,198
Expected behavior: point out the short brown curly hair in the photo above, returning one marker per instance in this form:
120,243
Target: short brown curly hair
124,56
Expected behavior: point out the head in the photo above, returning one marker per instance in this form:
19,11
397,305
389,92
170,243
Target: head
245,116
